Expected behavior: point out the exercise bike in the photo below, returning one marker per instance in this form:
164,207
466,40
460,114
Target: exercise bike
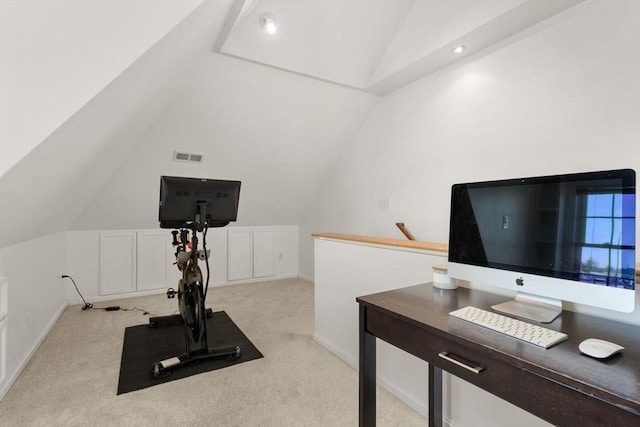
192,293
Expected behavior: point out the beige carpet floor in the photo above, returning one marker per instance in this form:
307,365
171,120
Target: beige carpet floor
73,377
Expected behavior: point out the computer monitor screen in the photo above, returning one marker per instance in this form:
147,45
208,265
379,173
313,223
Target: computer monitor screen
565,237
182,198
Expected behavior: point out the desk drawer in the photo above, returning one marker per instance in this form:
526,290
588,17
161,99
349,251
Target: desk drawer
507,379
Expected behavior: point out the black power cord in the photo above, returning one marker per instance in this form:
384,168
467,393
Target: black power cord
206,260
89,306
86,306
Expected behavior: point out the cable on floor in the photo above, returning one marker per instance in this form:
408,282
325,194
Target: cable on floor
89,306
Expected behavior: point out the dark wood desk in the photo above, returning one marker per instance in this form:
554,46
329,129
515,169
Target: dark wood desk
559,385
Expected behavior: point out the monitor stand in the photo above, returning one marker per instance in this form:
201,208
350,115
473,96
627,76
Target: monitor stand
532,307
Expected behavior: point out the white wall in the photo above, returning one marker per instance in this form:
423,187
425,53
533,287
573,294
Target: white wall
346,270
36,298
563,97
276,132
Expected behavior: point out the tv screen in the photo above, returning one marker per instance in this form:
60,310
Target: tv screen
579,227
181,200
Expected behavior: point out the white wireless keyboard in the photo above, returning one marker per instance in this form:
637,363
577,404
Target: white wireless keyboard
524,331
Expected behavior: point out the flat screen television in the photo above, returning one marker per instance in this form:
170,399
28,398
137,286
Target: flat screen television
551,239
205,202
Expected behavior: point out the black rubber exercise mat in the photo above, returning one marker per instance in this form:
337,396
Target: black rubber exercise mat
144,346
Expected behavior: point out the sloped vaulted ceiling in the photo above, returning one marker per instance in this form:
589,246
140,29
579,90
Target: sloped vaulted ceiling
375,45
278,133
275,113
55,56
47,190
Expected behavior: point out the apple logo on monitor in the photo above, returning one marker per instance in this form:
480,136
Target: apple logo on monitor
520,281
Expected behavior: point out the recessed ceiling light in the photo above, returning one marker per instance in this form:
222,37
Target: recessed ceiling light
268,22
458,49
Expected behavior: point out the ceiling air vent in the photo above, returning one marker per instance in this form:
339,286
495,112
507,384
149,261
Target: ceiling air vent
181,156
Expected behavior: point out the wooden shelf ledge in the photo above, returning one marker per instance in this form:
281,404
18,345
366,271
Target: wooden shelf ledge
413,244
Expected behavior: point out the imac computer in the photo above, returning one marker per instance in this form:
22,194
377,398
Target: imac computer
183,199
551,239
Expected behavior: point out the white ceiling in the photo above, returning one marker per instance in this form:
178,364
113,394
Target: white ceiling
374,45
259,121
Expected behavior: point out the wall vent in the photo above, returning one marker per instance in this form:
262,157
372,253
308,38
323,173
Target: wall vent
183,156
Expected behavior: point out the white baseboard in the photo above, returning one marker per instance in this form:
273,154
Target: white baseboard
419,407
254,280
335,350
101,298
4,388
306,278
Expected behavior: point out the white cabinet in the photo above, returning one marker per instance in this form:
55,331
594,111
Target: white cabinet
111,262
4,295
250,253
263,253
239,253
4,308
117,262
136,261
155,257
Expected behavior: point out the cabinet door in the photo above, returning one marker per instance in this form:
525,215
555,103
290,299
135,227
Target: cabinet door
173,274
153,260
263,253
4,306
239,253
117,262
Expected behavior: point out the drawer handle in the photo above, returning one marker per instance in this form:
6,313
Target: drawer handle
460,362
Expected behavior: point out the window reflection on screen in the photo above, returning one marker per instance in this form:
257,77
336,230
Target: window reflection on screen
606,254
